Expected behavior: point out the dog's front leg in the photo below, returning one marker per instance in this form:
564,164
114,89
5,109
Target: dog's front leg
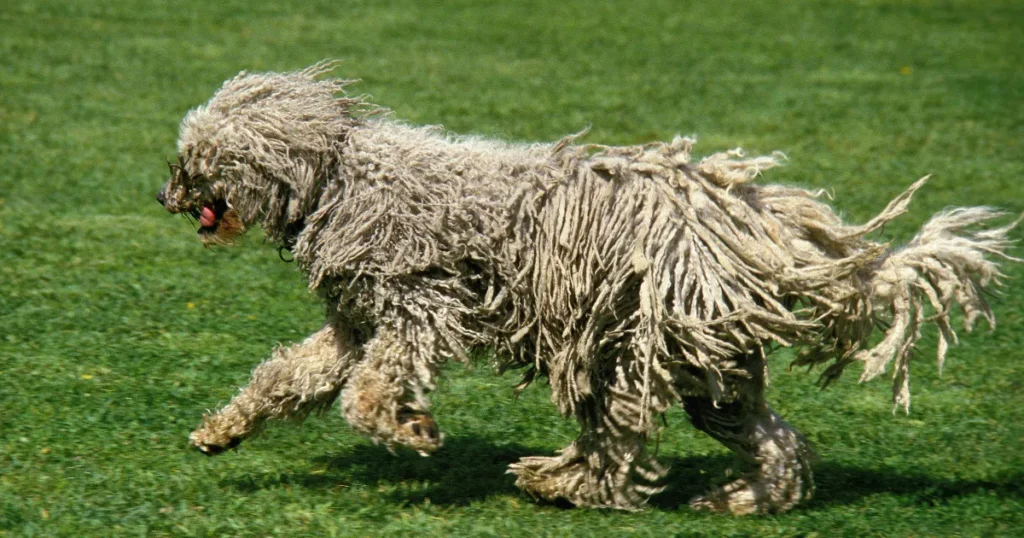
294,382
385,397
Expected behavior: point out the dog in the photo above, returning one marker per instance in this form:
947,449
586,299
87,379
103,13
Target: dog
632,278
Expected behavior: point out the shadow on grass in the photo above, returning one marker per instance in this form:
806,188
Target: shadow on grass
837,484
843,484
469,469
466,469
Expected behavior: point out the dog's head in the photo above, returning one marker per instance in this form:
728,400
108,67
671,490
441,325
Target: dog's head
260,152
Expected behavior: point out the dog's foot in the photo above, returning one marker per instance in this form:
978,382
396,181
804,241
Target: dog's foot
212,449
418,431
739,497
216,435
569,478
750,495
552,479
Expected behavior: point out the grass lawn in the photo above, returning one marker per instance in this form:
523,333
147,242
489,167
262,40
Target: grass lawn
117,329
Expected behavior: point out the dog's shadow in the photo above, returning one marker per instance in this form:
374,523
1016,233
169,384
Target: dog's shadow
469,469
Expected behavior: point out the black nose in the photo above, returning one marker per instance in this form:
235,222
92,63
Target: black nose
160,197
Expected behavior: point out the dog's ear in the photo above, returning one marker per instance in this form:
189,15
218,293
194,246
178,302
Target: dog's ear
180,182
161,195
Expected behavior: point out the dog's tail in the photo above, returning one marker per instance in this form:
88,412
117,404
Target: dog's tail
952,261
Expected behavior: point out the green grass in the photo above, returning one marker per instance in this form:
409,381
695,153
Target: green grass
117,329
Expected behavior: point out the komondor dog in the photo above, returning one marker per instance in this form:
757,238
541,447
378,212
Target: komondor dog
632,278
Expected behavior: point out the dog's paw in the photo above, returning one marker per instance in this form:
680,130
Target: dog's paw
749,496
737,497
418,431
210,443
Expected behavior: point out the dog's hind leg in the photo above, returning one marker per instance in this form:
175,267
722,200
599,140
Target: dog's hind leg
385,397
607,466
782,476
294,382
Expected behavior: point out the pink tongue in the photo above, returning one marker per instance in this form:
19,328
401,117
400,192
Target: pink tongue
207,217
